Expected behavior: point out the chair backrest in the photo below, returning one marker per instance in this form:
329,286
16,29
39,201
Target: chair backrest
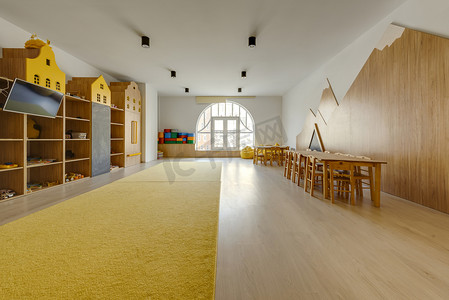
348,167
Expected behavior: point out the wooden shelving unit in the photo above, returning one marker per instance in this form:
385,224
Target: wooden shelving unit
12,149
78,119
117,129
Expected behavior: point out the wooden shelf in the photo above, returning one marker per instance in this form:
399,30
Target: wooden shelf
43,189
74,98
68,140
117,139
117,109
43,140
78,180
77,119
114,154
117,124
76,159
44,164
11,169
11,140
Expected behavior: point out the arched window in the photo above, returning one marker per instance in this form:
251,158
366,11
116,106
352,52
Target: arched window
224,126
47,83
36,79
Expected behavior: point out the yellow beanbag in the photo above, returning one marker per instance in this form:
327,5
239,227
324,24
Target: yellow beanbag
247,153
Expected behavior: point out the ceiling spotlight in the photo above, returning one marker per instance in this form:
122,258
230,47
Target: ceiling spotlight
173,74
243,74
145,42
252,41
187,90
239,90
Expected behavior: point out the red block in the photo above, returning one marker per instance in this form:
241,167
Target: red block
170,140
167,130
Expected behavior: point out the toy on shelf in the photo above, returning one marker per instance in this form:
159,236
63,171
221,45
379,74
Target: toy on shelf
172,136
69,154
73,176
33,129
6,194
114,168
8,165
70,134
50,183
160,155
31,187
37,160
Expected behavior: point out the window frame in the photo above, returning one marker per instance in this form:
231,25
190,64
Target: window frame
215,112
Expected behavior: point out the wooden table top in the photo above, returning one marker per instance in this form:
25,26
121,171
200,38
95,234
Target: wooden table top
337,157
269,147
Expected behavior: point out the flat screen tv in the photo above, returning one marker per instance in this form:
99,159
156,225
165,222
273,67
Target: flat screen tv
33,99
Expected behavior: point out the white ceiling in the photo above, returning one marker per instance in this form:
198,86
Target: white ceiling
205,41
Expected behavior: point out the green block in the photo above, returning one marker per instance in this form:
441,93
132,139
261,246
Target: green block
190,142
174,135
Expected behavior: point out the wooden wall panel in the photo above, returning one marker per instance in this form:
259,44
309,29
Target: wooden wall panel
397,110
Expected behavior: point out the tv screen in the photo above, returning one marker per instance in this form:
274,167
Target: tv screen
33,99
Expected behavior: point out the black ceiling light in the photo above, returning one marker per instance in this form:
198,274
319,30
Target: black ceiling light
252,41
187,90
145,42
243,74
239,90
173,74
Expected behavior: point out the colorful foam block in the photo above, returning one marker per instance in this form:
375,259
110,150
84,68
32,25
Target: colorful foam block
167,130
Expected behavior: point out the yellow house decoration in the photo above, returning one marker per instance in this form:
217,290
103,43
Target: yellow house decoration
35,63
126,97
94,89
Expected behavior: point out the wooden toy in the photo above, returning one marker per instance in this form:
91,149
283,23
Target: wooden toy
8,165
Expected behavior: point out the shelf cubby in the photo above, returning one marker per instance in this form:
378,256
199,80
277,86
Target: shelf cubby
78,166
45,149
13,180
11,125
50,128
81,148
12,152
49,173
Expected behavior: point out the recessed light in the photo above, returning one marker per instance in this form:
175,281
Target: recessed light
145,42
252,41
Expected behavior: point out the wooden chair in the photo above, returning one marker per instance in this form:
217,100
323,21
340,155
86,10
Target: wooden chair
286,157
276,155
288,164
301,168
313,176
341,179
363,177
295,166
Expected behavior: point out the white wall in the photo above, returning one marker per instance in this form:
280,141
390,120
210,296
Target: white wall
149,121
425,15
12,36
182,113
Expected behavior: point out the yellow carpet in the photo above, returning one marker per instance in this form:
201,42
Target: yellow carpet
150,239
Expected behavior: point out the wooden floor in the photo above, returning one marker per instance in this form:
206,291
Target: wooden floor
276,242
